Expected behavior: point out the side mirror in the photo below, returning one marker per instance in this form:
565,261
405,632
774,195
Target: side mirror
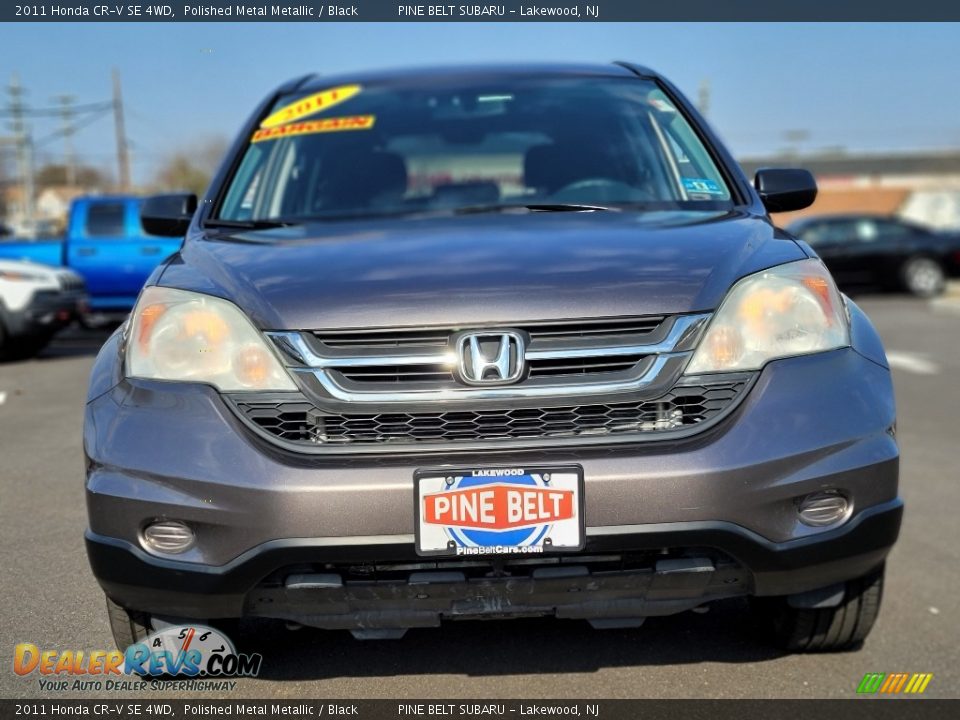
168,215
785,189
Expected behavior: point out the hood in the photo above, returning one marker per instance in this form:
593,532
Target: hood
481,269
41,273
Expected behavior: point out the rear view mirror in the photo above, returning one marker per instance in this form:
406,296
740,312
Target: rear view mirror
168,215
785,189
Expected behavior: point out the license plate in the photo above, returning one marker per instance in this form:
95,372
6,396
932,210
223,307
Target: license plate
499,511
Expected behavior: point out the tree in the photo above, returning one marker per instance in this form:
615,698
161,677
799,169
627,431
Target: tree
190,169
55,174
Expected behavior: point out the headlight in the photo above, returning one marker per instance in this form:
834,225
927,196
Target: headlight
793,309
186,336
22,276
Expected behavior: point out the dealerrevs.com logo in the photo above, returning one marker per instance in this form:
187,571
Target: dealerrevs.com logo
178,652
898,683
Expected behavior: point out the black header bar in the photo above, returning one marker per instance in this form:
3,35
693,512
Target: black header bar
505,11
151,708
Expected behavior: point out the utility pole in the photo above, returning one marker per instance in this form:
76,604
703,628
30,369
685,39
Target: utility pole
24,149
703,97
123,153
66,119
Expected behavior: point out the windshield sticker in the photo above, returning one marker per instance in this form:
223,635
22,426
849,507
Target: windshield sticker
311,105
337,124
702,186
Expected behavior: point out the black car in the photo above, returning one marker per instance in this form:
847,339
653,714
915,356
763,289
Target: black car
882,250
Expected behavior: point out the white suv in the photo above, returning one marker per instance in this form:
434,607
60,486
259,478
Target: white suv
35,301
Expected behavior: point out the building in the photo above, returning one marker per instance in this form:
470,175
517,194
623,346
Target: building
51,206
921,186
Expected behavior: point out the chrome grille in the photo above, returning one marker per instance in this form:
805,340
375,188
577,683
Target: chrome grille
426,337
583,366
560,359
303,424
398,374
443,374
415,337
633,327
71,282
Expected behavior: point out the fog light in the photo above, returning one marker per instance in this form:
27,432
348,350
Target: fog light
823,508
168,536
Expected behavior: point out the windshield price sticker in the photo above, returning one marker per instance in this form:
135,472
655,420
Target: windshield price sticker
310,105
339,124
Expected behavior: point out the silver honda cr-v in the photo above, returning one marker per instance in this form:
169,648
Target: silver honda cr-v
489,342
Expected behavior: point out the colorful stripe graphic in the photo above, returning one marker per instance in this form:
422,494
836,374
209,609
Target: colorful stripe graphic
894,683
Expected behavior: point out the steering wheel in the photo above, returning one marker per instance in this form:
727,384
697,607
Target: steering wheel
599,190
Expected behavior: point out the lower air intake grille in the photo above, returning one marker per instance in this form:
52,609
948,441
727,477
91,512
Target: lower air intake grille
301,422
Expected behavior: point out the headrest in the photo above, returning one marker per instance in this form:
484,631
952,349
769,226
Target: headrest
358,176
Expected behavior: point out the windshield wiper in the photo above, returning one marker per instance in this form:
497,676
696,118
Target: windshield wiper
247,224
566,207
534,207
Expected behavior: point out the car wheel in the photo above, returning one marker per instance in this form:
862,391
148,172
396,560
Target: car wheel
23,348
924,277
128,626
825,629
39,343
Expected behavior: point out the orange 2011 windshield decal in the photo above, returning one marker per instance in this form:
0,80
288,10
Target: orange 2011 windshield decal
308,127
310,105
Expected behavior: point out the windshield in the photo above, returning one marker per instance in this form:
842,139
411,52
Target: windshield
352,150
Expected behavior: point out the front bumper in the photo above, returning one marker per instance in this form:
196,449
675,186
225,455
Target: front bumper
47,312
721,503
252,585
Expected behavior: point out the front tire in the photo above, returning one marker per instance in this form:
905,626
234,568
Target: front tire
128,627
22,347
825,629
923,277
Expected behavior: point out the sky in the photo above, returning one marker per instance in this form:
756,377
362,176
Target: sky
858,86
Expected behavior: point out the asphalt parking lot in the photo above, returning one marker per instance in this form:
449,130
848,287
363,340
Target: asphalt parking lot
49,598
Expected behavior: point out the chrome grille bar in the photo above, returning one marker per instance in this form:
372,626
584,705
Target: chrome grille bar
302,356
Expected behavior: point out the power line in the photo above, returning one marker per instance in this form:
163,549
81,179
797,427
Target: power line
67,110
58,111
56,134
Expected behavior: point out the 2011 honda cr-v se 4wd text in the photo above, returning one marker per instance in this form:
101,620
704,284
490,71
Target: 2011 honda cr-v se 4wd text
490,342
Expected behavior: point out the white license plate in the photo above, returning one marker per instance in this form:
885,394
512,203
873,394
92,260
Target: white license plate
499,511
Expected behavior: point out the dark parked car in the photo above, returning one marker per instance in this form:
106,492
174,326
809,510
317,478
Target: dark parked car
880,250
490,342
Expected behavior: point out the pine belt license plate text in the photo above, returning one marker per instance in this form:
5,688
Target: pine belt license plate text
520,511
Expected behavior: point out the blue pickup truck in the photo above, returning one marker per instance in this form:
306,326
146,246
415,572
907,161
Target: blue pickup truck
104,243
